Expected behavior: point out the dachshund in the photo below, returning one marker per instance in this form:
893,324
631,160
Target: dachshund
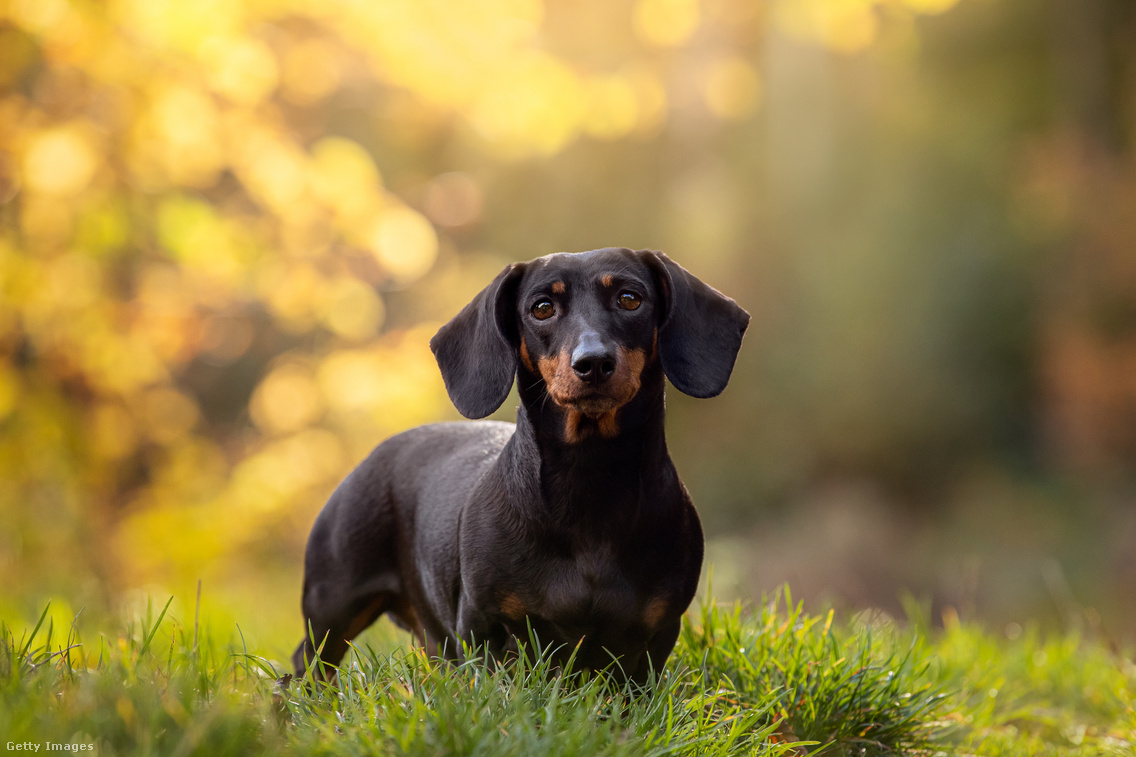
570,525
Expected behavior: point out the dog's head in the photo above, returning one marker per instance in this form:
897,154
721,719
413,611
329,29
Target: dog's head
586,325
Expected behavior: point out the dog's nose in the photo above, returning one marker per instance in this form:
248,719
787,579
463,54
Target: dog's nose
591,360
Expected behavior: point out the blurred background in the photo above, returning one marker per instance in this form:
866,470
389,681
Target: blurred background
228,229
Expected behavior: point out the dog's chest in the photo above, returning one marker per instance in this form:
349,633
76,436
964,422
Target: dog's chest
589,588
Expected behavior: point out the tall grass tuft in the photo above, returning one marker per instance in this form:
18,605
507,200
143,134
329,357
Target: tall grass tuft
850,690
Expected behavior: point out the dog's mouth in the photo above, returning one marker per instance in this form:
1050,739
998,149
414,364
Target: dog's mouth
591,405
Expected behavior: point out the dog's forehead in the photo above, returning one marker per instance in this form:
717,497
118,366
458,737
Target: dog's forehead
584,267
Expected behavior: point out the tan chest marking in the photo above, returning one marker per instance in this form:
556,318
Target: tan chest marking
654,612
512,607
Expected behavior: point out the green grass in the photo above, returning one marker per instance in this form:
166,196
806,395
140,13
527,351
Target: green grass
770,681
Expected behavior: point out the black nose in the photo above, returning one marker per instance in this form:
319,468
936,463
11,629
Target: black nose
591,360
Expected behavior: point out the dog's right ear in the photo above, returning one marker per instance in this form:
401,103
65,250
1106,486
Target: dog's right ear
477,350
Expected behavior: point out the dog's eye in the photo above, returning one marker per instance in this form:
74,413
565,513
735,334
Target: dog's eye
629,300
543,309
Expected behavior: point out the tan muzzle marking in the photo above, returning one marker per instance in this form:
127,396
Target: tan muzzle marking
585,413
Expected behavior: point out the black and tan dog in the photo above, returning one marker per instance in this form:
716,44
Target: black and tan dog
573,521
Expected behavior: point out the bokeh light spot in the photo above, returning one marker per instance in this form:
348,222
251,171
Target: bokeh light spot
344,177
405,244
848,26
292,293
60,161
537,108
351,309
854,30
351,380
179,137
242,69
273,169
666,23
193,232
288,399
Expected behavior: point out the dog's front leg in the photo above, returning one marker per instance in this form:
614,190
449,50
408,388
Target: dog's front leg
658,649
480,634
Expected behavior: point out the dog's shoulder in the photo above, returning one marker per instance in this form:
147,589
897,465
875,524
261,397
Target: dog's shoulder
440,449
451,434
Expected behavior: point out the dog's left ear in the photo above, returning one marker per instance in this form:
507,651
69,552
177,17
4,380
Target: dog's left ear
477,350
700,330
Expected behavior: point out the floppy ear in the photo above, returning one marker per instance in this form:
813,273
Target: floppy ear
700,331
477,350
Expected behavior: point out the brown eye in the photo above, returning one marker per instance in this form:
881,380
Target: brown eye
543,310
629,300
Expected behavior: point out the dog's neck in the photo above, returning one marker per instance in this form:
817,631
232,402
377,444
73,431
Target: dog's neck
596,471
